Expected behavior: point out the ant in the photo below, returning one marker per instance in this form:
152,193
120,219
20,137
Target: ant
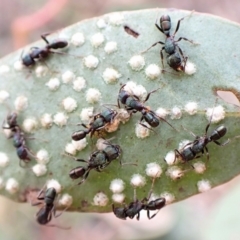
44,215
175,57
132,103
98,160
98,122
37,53
199,145
19,141
135,207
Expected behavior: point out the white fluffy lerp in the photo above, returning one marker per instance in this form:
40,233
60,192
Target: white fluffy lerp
97,40
183,143
4,160
137,62
168,196
3,96
41,71
79,84
170,158
153,71
46,120
110,75
118,197
110,47
42,156
137,180
1,183
66,200
101,144
141,131
80,144
52,183
101,23
30,124
162,112
12,185
203,185
21,103
4,69
91,62
93,95
86,114
191,108
116,19
217,113
60,119
70,149
174,172
18,65
77,39
138,90
117,185
176,113
153,170
100,199
39,169
69,104
199,167
53,84
68,76
190,68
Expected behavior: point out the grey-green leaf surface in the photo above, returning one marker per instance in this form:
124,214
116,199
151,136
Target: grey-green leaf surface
217,62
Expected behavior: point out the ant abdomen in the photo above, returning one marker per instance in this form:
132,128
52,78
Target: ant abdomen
77,172
218,133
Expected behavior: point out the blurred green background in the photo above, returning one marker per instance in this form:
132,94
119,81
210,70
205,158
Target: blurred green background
209,216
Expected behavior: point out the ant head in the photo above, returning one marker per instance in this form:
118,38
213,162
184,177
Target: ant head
12,119
77,172
51,192
78,135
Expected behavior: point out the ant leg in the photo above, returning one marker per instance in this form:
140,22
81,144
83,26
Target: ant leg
84,177
152,46
161,54
191,41
222,144
142,124
158,27
207,153
177,153
43,36
210,120
189,131
185,63
148,95
138,216
179,21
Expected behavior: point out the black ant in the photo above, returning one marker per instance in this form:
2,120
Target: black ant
44,215
132,103
98,160
175,57
199,145
98,123
135,207
37,53
19,140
